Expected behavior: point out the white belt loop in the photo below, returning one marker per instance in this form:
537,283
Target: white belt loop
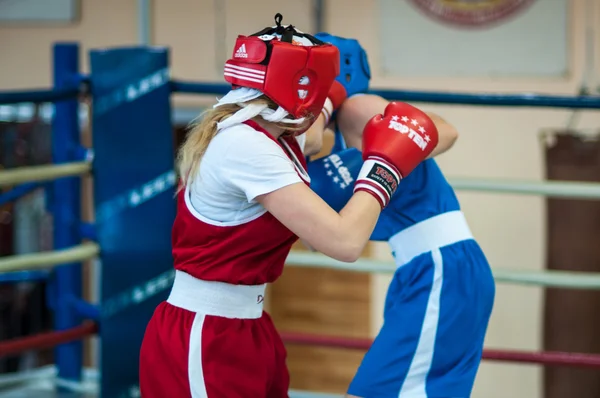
436,232
217,298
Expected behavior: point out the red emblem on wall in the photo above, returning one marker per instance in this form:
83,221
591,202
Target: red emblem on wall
471,13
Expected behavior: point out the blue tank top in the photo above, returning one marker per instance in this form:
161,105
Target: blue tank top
424,193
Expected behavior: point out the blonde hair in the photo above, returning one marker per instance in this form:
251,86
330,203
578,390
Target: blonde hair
204,129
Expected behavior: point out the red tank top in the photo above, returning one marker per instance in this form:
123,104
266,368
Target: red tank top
252,253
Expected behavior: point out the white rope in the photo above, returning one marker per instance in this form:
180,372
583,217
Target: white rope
47,259
22,175
555,189
561,279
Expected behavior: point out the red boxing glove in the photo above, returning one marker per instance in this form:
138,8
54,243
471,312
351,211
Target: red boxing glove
337,95
393,145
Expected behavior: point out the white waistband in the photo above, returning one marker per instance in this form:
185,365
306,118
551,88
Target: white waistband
217,298
433,233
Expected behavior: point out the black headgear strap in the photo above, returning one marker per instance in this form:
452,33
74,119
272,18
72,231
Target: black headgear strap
287,33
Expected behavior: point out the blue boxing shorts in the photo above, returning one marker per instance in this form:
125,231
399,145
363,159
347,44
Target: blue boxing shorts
436,315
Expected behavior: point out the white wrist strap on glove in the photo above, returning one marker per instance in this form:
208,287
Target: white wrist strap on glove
379,178
327,110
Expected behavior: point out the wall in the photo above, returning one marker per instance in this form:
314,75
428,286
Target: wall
494,143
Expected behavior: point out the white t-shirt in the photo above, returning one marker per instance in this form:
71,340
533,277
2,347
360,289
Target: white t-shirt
240,164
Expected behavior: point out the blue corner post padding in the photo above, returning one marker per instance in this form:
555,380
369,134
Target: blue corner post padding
134,199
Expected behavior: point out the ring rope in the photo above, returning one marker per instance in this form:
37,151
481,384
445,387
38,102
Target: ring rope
21,175
23,276
47,259
46,340
37,96
487,99
561,279
544,358
85,251
525,99
539,358
556,189
199,88
18,192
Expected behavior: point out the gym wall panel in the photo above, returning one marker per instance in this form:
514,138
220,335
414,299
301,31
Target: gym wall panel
571,317
532,43
26,49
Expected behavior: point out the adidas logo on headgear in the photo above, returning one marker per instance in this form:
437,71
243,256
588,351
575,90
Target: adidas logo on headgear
241,52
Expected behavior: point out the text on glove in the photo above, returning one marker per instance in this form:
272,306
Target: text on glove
397,125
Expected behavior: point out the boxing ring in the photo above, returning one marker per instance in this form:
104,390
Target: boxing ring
134,182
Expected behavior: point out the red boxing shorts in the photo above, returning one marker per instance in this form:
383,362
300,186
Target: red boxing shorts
212,339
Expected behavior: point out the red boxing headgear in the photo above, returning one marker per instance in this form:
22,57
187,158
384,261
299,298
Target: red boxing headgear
294,69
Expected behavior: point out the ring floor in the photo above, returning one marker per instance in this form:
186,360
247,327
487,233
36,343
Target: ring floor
42,383
43,389
46,388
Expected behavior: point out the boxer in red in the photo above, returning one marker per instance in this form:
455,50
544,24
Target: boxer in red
244,200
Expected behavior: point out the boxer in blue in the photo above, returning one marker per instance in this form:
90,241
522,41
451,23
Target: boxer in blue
440,299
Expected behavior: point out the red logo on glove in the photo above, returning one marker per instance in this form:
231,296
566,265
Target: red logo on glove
387,176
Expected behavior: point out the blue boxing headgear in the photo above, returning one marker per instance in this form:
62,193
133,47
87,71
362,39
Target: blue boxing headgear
355,72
